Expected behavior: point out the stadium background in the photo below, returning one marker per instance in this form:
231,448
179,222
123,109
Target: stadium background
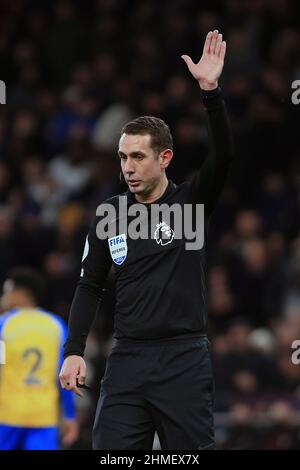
75,73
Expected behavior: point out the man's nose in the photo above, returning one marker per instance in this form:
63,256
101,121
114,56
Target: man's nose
129,167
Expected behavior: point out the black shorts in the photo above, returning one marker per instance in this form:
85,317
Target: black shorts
161,385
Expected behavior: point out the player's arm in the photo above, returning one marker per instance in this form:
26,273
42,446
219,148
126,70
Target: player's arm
3,318
69,424
96,263
208,182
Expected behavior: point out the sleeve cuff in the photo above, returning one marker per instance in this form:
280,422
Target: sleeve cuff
211,98
72,353
209,94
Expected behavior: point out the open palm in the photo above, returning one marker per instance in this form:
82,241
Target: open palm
209,68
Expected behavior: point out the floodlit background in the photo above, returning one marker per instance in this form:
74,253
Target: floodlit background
75,72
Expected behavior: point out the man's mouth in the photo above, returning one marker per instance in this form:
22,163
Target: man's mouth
133,182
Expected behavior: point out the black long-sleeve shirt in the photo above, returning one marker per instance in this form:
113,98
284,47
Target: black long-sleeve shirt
161,288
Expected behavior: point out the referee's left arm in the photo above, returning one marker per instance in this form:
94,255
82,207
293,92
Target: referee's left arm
208,182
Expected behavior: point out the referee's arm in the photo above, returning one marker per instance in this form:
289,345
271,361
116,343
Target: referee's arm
209,180
96,263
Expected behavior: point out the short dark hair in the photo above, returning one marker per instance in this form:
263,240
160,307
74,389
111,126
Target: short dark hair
161,137
29,280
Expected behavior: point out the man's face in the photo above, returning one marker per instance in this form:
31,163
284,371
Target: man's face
142,167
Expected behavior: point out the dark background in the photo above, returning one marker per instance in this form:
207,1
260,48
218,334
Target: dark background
75,73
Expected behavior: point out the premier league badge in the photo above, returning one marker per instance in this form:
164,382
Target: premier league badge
118,248
163,234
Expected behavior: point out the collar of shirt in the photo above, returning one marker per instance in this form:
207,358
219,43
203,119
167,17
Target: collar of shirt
169,189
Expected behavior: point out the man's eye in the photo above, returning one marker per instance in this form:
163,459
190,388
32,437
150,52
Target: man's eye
123,157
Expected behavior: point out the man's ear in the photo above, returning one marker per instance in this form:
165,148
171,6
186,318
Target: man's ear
165,158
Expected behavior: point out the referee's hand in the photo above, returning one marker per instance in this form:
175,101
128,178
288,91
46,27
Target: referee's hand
209,68
73,370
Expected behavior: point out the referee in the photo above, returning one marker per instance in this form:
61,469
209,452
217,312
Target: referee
158,375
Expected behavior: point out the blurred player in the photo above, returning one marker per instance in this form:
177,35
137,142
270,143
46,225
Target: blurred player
29,391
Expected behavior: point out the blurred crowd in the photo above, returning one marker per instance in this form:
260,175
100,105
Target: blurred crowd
75,73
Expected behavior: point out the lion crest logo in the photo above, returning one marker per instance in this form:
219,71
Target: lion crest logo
163,234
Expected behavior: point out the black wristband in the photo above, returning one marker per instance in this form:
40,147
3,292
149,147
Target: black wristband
72,353
210,94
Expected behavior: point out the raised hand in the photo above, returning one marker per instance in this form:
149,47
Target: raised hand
209,68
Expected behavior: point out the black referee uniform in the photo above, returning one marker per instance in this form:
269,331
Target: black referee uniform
158,375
